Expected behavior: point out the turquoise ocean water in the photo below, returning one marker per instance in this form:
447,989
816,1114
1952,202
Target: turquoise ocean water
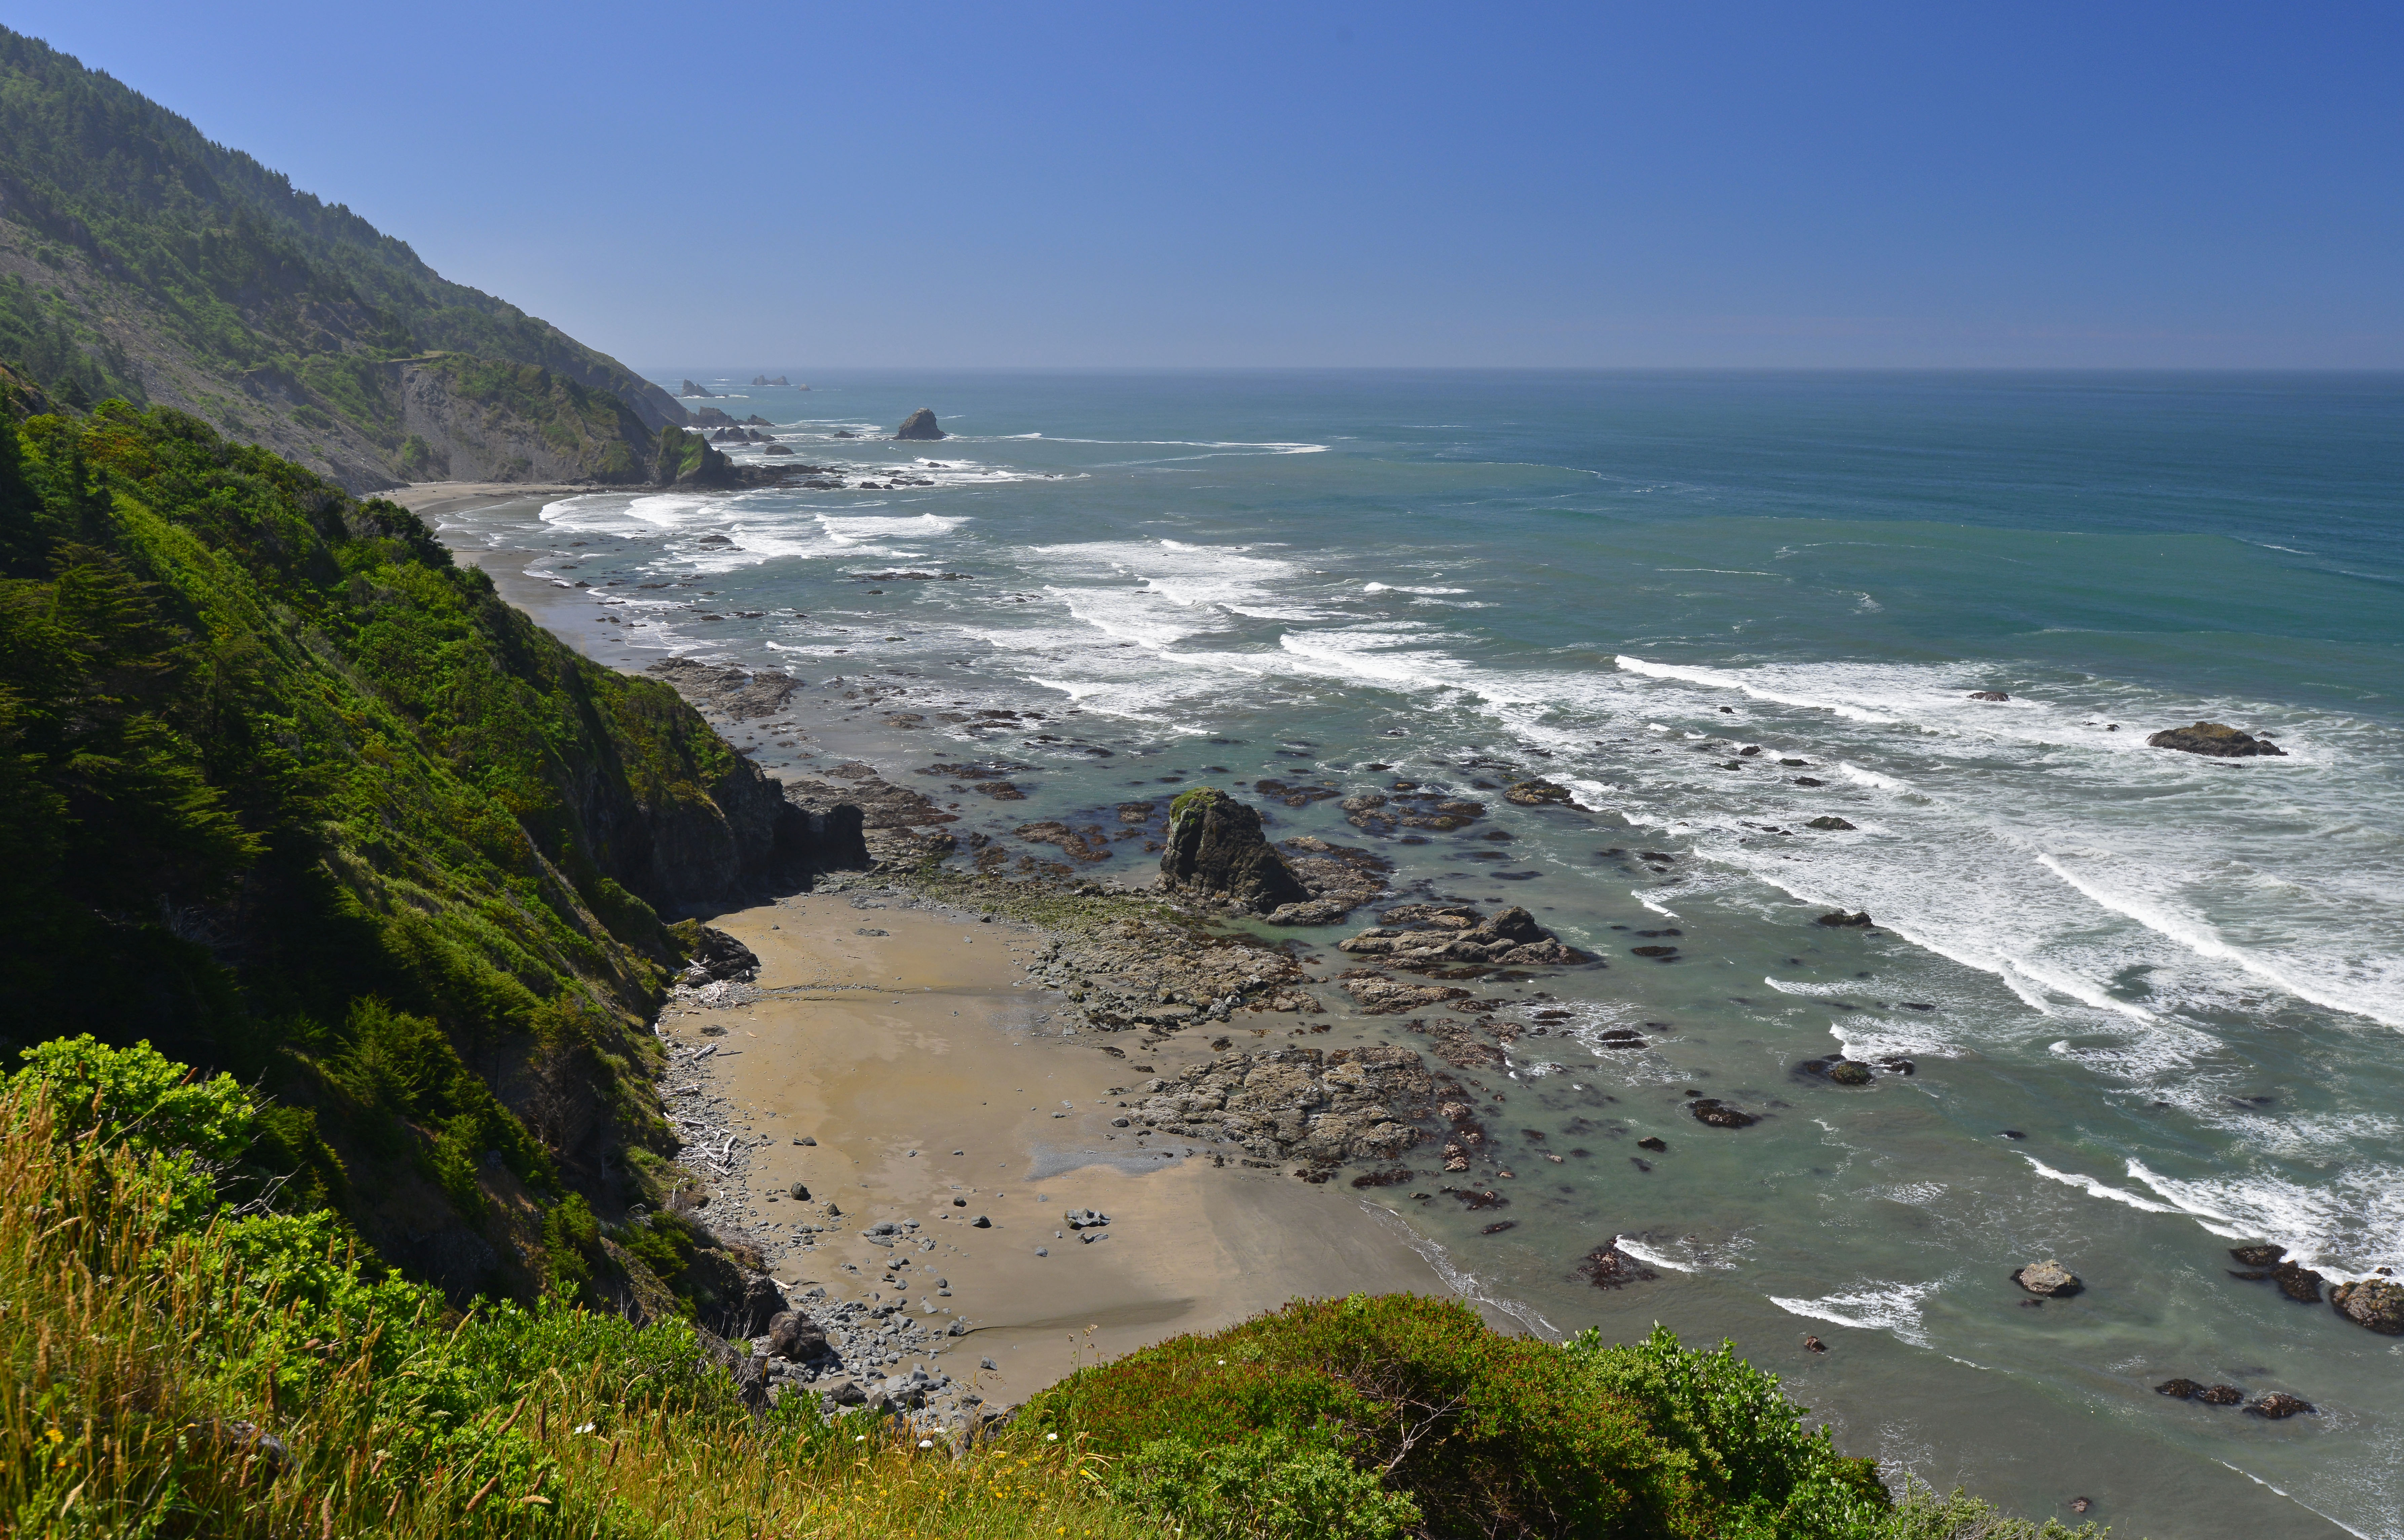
2180,981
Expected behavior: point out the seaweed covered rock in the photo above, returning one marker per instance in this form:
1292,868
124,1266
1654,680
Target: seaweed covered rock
2377,1303
1214,850
1427,936
1537,793
2214,740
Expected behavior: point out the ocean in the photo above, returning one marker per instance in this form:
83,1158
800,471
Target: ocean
1718,607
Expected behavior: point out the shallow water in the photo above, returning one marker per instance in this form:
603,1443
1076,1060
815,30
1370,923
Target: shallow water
2181,980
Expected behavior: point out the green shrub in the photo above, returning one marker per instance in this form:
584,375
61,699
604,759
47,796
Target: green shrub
1268,1485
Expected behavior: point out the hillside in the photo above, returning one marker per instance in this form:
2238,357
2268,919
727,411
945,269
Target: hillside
139,260
288,794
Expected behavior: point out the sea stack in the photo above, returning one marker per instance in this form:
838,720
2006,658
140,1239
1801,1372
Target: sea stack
1216,850
921,425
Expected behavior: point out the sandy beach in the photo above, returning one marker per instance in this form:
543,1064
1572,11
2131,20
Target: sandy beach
903,1039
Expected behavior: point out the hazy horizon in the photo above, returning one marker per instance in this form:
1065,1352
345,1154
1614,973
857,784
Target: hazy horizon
1560,187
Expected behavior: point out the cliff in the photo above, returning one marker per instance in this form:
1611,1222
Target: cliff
139,260
288,794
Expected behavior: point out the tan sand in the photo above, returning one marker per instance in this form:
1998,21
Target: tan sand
916,1062
448,497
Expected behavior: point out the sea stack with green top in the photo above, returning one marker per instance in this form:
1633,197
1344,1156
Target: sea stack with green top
1215,851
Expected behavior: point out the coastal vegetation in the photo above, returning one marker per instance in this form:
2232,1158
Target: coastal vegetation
334,1195
191,1358
141,262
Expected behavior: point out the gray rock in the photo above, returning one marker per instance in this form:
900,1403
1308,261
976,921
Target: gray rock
2049,1279
921,424
2377,1303
1214,848
2214,740
1828,822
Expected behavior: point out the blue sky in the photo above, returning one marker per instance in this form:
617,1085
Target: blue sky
802,187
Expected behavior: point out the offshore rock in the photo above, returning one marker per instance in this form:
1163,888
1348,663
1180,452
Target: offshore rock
1422,937
1859,920
2375,1302
921,424
1215,851
1989,695
2214,740
2277,1404
2049,1279
1719,1114
1536,793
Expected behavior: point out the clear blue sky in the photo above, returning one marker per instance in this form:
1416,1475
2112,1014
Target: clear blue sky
799,187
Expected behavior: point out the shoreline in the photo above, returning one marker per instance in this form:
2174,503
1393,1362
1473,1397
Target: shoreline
879,1024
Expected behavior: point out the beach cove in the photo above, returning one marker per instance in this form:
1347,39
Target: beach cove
1105,624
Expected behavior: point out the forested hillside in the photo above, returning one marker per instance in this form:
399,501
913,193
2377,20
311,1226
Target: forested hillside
141,262
287,794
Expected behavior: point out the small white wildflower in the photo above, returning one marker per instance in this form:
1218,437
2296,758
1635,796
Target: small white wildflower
1050,1438
585,1428
926,1443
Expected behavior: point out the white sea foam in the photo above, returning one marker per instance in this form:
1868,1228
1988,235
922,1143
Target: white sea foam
1652,1256
1727,679
2347,1223
2097,1189
1876,1307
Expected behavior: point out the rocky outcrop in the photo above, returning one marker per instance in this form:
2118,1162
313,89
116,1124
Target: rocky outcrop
1214,850
1429,936
2214,740
735,694
1141,972
780,380
693,392
1989,695
1713,1111
2050,1280
1340,878
1536,793
2377,1303
1300,1103
920,424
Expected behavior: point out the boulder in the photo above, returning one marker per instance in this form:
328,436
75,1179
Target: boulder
1989,695
2257,1256
2298,1284
2220,1395
2182,1389
1859,920
715,956
1214,848
2377,1303
1828,822
1536,793
2277,1404
2049,1279
1850,1073
921,424
2214,740
1719,1114
793,1334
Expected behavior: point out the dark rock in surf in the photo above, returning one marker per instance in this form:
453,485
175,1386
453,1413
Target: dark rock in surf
2257,1256
2214,740
1719,1114
1214,848
2182,1389
1536,793
1989,695
1849,1073
921,424
2049,1279
2374,1303
2278,1404
1607,1267
2220,1395
1860,921
1829,822
2298,1284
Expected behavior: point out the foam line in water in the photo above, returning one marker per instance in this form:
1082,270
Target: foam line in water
1880,1307
2097,1189
1721,678
2200,940
1458,1278
1650,1257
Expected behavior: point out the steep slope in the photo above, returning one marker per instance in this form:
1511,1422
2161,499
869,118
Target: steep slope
285,792
139,260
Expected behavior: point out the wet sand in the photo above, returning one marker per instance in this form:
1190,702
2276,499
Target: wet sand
918,1062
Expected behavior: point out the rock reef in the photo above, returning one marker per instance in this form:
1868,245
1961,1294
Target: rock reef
2214,740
